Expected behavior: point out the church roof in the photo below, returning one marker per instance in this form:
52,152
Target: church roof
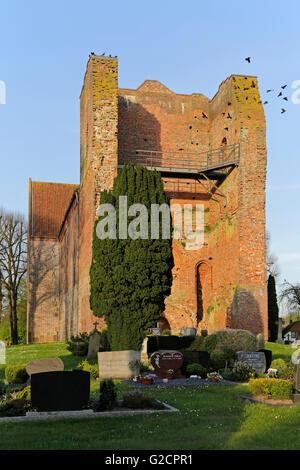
48,203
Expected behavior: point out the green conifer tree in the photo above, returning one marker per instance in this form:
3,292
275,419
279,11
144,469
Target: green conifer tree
273,311
130,278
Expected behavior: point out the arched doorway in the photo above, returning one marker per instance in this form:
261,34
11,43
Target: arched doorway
164,324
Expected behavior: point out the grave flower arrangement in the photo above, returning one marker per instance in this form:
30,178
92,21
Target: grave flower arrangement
169,374
147,379
214,377
272,373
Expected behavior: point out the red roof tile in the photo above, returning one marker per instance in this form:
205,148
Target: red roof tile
48,203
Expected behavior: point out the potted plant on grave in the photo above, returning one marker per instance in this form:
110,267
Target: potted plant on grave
147,379
169,374
214,377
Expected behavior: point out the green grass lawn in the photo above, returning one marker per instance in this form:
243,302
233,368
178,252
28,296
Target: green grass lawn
210,417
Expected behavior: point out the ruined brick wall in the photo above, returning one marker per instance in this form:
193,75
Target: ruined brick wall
223,284
68,318
48,203
43,289
98,149
155,118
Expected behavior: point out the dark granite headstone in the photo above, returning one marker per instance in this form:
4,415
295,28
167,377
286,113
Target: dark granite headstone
254,358
60,391
268,355
195,357
165,360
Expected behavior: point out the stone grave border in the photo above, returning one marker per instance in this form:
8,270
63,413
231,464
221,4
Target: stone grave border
261,402
54,415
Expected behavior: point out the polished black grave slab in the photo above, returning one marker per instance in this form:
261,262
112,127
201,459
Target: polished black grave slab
60,390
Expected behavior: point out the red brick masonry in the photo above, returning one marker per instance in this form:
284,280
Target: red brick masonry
221,285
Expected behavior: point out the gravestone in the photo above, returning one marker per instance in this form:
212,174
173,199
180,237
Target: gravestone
2,353
254,358
195,357
268,355
144,348
115,364
297,378
36,366
94,343
187,331
60,390
165,360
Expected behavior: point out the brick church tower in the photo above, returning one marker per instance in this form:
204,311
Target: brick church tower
211,152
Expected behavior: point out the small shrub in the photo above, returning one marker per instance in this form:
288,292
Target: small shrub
108,395
280,365
137,400
243,371
2,388
15,407
230,356
237,340
217,360
277,388
288,372
259,375
88,367
196,369
79,345
166,333
281,390
25,394
16,374
228,374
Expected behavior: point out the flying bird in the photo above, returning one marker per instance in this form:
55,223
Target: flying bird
226,128
268,91
248,59
229,103
103,53
284,86
266,102
92,53
280,94
204,115
228,116
285,98
282,110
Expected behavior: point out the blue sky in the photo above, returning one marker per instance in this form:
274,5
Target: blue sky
189,46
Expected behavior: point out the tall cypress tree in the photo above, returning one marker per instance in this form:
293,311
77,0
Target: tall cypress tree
130,278
273,311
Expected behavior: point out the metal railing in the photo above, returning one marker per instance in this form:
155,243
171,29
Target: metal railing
154,159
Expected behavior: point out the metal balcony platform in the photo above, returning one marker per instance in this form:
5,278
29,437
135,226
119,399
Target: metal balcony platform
213,163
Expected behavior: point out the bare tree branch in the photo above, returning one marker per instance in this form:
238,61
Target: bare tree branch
13,261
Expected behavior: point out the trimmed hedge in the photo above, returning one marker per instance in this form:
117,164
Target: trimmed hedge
237,340
16,374
278,389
